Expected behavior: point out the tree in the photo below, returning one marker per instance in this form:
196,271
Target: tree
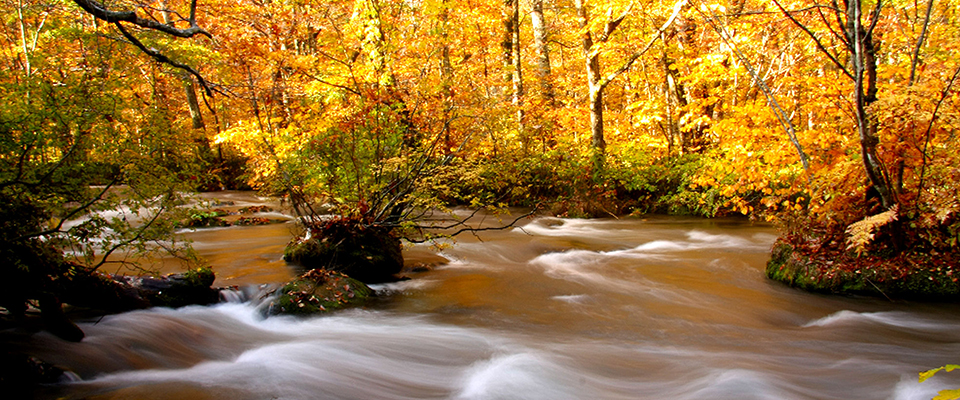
120,19
512,64
858,43
93,168
596,82
539,29
782,117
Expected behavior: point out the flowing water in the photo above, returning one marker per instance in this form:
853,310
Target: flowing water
658,308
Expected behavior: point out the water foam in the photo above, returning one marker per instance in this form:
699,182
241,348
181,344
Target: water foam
896,319
358,354
406,286
576,265
563,227
573,298
740,384
527,375
910,388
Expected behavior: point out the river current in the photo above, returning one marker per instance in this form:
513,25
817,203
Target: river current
655,308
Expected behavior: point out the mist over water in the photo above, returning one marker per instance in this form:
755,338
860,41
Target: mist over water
662,308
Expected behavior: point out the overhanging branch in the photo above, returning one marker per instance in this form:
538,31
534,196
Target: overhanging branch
470,229
101,12
161,58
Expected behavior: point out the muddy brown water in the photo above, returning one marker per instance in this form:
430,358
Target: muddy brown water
656,308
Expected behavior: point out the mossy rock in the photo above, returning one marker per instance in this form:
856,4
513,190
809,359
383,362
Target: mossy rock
115,293
319,291
255,209
371,255
20,372
907,276
188,288
251,221
204,220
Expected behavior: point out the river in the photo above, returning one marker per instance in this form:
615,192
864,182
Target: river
655,308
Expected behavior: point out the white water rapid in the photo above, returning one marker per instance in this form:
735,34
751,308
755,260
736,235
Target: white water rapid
659,308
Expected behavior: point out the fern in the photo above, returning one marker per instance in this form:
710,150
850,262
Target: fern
861,232
943,212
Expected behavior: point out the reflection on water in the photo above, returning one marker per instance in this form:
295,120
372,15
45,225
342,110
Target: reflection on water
665,308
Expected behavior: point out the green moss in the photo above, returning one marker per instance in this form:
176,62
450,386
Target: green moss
202,276
206,219
907,276
371,255
191,287
319,291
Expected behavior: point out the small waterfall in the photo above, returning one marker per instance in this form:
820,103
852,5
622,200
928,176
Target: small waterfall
232,295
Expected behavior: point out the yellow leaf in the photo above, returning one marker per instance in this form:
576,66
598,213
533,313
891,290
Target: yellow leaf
948,394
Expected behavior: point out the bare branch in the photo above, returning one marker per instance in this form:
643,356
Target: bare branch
612,24
633,58
103,260
784,120
70,215
823,17
164,59
470,229
916,50
101,12
816,40
874,18
321,80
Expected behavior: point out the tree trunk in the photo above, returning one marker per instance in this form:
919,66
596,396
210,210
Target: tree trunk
23,40
446,67
518,72
510,46
678,94
900,166
446,77
672,131
543,53
509,22
865,80
595,89
372,39
190,89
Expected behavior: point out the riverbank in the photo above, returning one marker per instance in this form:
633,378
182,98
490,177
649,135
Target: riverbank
909,275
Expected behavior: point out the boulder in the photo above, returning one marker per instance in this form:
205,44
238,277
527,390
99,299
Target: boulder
368,254
19,373
212,218
319,291
175,290
115,293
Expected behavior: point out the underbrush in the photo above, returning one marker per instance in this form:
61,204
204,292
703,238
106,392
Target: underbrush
845,249
565,183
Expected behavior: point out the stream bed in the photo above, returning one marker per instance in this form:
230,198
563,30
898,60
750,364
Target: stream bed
655,308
